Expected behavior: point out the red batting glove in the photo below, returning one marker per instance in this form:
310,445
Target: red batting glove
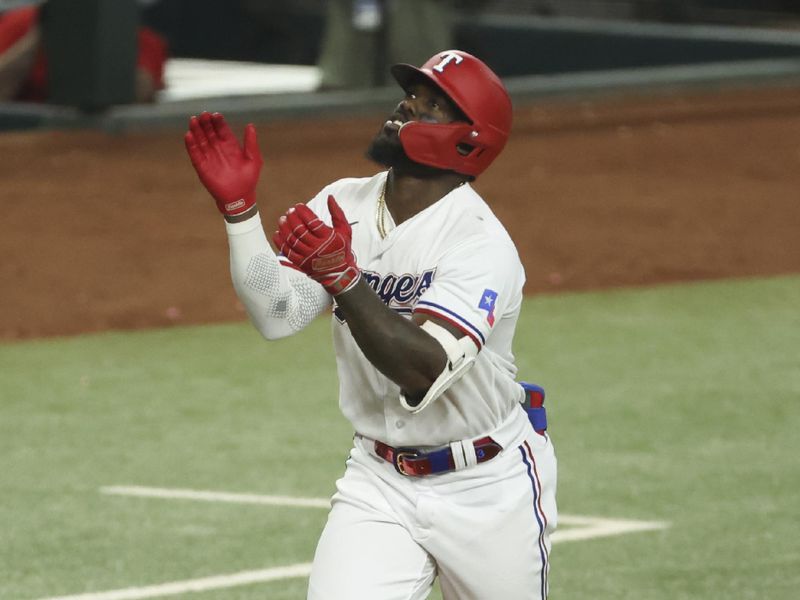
321,252
227,170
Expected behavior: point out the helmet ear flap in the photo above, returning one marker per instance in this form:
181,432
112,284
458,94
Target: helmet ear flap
481,148
438,145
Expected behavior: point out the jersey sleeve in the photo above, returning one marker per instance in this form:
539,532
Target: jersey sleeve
474,287
279,301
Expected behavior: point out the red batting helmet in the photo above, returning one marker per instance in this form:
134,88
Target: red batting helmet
467,148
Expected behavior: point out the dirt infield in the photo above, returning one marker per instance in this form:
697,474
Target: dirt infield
114,232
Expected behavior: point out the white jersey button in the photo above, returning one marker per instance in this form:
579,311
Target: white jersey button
399,424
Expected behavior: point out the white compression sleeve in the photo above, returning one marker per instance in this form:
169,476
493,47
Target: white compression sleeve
279,300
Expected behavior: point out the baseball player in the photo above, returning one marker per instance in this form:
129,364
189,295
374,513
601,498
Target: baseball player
448,476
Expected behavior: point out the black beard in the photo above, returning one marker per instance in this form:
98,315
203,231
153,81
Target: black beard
389,152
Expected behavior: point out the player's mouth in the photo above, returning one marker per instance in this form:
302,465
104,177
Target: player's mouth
392,126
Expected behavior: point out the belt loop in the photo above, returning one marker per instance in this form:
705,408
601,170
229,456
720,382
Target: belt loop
459,459
469,453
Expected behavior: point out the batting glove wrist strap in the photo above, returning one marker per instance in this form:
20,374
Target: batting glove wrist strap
345,282
323,253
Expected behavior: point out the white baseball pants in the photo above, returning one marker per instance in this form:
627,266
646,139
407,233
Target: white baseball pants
484,530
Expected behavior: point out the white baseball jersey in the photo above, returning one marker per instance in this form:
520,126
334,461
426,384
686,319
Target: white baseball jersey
389,535
455,261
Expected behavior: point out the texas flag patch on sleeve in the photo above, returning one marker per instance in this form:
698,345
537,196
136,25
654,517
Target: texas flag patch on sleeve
487,303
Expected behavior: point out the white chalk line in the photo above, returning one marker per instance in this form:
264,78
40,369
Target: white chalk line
586,528
195,585
208,496
581,528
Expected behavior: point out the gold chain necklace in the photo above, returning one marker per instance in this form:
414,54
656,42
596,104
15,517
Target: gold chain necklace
380,216
380,213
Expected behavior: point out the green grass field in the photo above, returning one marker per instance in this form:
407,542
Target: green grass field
676,403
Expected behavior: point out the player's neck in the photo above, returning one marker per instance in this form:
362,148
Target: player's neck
407,195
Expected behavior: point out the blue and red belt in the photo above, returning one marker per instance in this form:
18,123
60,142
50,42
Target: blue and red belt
415,463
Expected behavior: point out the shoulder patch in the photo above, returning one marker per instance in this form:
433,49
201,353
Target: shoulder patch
487,303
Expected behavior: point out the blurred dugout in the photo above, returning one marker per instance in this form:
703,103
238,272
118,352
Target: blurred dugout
732,12
362,37
49,52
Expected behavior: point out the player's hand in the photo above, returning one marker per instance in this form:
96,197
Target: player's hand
321,252
227,170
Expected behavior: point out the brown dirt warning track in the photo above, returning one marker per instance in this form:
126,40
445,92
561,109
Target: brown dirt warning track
109,231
